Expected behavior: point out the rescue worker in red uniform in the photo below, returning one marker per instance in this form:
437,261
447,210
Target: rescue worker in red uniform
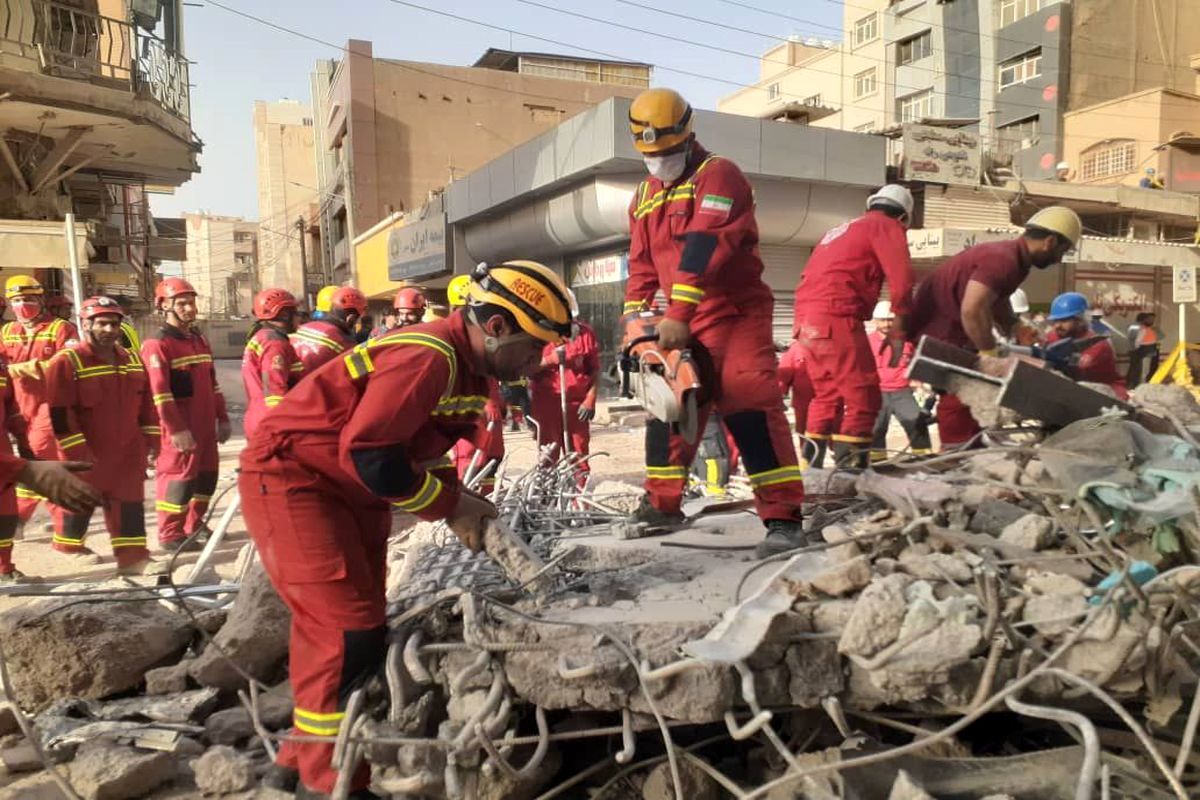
103,414
323,471
581,359
694,235
17,428
837,292
324,339
965,299
793,377
410,306
60,306
192,415
29,342
898,398
269,364
1067,347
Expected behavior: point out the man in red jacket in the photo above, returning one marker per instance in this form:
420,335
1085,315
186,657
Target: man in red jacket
102,413
325,339
269,364
898,399
192,411
29,342
967,298
580,358
837,291
322,473
693,234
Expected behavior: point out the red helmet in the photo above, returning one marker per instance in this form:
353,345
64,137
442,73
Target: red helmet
409,299
96,306
170,288
347,298
270,303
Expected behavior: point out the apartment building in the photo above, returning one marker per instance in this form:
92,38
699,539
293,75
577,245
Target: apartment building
222,263
390,132
95,104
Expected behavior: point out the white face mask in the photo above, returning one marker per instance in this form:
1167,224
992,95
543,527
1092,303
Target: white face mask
666,168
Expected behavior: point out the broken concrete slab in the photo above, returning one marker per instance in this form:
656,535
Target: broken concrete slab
1032,531
877,617
228,727
58,647
223,770
190,706
105,771
170,679
993,516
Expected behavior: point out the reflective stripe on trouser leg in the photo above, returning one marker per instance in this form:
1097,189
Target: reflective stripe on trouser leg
45,447
173,498
126,523
850,451
8,528
70,529
665,479
205,485
765,441
812,450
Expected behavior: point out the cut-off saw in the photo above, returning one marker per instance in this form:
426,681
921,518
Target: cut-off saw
667,383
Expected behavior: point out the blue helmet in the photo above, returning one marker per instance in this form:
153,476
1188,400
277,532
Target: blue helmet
1068,306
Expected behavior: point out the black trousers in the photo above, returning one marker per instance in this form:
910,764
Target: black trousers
903,406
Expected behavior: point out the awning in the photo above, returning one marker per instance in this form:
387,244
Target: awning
36,244
936,243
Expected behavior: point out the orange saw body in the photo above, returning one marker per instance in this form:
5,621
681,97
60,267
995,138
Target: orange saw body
666,382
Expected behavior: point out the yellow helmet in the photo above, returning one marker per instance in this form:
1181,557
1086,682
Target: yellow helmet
325,298
456,291
536,297
1060,220
659,119
22,286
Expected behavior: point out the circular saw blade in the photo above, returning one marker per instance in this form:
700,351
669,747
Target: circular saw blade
689,418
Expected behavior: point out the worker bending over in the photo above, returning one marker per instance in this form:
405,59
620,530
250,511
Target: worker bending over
967,297
322,473
580,361
694,236
837,290
29,343
191,412
1075,350
270,365
898,399
321,340
102,413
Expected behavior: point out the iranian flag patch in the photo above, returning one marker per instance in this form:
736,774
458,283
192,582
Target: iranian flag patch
716,205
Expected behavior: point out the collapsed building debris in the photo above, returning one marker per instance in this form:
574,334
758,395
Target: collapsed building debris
1014,621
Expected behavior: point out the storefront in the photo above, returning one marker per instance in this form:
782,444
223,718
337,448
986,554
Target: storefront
401,250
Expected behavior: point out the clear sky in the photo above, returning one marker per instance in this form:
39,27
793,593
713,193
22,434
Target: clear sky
238,61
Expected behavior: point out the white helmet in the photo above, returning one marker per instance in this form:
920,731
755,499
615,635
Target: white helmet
883,310
1063,165
893,195
1019,302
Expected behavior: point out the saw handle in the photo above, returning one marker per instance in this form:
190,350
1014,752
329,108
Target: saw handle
627,360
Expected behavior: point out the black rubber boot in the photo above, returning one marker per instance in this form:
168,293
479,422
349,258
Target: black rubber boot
812,452
647,514
285,779
782,535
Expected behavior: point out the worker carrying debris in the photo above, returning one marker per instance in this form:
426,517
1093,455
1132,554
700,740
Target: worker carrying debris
694,235
323,339
103,414
270,365
898,398
577,364
29,342
1073,349
322,472
191,412
837,290
966,297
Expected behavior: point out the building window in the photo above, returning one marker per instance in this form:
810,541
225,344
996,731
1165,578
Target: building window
1013,10
815,100
916,106
1017,135
864,83
773,92
1021,69
1109,159
914,49
866,30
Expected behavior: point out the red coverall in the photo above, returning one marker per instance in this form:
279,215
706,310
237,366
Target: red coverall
1097,364
8,489
838,290
545,393
269,368
488,440
319,478
937,312
698,240
793,377
185,391
102,413
319,341
48,335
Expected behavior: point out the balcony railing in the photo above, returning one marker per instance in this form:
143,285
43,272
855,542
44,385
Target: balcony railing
79,44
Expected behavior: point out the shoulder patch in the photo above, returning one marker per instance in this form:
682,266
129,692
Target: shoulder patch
715,205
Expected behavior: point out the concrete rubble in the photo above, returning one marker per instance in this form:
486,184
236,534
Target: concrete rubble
962,626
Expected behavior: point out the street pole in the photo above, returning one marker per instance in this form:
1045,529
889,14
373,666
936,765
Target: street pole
73,260
303,254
